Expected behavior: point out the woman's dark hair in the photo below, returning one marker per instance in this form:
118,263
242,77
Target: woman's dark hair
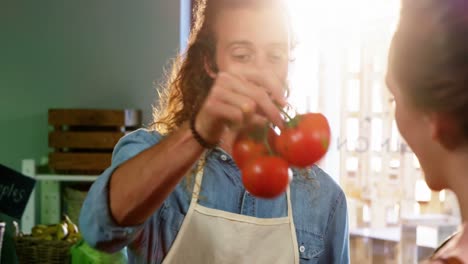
429,56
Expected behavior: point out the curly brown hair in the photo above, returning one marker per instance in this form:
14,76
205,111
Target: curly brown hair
188,83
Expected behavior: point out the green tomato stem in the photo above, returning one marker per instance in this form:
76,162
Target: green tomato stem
285,113
265,140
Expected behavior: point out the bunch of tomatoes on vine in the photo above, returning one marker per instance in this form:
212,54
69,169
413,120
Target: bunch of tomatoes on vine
265,155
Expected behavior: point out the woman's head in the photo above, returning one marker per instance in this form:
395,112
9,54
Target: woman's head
226,35
428,74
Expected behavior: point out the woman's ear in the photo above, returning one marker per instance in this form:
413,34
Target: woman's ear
210,67
446,130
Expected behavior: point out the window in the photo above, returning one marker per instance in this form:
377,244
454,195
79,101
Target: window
339,69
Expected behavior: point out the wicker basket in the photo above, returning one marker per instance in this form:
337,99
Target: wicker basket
32,250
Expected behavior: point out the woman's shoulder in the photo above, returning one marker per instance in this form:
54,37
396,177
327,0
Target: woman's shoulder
453,250
451,260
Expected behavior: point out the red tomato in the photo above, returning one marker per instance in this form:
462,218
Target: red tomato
246,149
305,140
266,176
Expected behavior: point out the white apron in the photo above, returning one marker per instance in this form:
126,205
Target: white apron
211,236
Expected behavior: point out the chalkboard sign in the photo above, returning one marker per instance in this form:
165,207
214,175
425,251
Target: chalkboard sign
15,189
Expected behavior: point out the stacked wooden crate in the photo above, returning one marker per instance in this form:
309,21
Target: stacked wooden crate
83,139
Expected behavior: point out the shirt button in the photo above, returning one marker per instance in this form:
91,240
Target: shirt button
302,249
223,157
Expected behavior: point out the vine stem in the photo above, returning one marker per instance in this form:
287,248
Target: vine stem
284,113
265,139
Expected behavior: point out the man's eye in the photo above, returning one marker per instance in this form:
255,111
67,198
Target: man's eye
277,57
242,57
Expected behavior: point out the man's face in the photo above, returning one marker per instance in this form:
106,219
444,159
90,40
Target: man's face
252,37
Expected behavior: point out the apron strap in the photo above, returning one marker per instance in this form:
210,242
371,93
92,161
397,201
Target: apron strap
196,192
288,198
198,180
292,227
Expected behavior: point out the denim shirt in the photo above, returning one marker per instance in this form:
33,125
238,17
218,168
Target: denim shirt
319,208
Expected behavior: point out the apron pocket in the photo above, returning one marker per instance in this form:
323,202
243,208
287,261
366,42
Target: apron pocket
310,245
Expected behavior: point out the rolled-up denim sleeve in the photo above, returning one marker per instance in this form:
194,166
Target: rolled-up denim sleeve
97,225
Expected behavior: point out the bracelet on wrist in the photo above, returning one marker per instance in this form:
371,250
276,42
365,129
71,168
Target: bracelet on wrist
198,137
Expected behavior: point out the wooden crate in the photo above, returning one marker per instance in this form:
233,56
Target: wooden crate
83,139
